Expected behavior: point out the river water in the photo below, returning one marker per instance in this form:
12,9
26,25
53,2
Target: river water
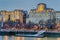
27,38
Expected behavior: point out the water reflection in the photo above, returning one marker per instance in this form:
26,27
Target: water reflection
5,37
58,38
13,38
17,38
27,38
52,38
38,38
1,37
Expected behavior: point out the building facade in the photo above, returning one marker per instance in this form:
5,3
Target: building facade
36,17
41,7
12,15
40,13
57,16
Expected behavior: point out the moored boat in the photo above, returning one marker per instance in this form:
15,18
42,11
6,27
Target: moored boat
32,34
52,33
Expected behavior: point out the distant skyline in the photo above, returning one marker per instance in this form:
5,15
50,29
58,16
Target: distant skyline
28,4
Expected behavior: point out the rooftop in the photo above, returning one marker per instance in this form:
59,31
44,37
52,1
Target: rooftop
42,3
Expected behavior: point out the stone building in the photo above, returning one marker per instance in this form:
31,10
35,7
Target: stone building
57,16
36,17
41,7
40,13
12,15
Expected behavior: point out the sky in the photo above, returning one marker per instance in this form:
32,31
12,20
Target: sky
28,4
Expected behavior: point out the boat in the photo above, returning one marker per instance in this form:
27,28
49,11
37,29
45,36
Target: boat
23,33
32,34
52,33
6,32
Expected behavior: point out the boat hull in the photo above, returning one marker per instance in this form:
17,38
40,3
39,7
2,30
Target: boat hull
24,33
52,34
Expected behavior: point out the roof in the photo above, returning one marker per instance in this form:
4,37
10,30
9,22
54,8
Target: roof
57,11
42,3
49,8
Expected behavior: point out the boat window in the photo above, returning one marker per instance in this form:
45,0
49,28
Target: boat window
28,33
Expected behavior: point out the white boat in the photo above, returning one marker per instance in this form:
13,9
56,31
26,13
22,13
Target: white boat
32,34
